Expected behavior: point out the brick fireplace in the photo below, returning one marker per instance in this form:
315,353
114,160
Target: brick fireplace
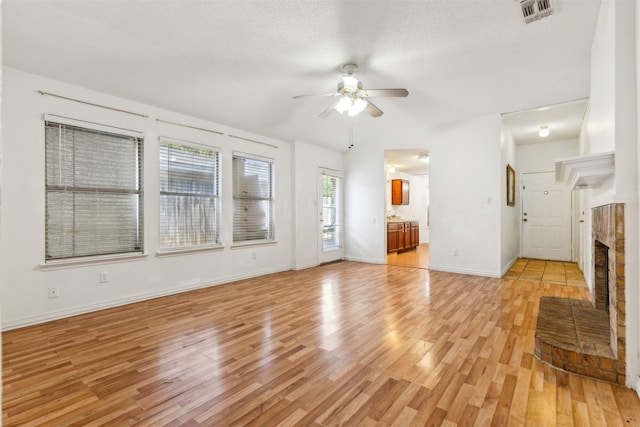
585,337
609,281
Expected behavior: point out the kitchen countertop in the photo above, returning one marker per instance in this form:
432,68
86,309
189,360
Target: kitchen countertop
393,220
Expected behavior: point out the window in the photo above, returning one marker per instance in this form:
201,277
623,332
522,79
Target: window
331,211
252,199
189,195
93,192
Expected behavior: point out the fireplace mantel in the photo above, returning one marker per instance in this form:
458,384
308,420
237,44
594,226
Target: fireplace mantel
586,171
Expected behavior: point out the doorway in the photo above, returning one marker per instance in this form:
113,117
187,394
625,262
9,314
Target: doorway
330,221
412,168
546,217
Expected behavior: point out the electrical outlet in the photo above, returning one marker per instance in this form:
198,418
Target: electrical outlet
104,277
53,292
455,252
254,255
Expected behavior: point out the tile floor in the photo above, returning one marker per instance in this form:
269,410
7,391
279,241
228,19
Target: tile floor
556,272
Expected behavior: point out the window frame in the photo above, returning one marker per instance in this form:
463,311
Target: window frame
216,196
56,228
271,232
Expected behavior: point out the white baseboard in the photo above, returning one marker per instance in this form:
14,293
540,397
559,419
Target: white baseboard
471,272
74,311
305,266
366,260
638,386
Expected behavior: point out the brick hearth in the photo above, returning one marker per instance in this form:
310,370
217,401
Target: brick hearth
574,336
588,337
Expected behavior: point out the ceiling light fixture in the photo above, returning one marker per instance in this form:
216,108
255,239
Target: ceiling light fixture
424,157
351,105
392,169
543,132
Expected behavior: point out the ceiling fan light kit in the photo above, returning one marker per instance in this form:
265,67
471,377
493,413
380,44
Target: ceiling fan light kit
353,97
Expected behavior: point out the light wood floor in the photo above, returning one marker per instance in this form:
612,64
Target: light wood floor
345,343
418,257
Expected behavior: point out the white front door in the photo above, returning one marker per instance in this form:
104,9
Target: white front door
330,215
546,217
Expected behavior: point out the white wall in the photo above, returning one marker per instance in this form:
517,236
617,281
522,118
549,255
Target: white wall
464,197
509,224
611,124
24,281
365,226
542,157
308,159
465,191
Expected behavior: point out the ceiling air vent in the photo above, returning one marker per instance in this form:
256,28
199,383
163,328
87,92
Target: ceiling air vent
544,8
532,10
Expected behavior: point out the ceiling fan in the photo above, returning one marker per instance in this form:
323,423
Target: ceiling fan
353,98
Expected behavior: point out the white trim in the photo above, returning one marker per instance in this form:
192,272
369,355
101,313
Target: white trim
331,172
92,125
252,157
250,244
638,386
305,266
162,253
74,311
91,260
365,260
171,140
472,272
586,171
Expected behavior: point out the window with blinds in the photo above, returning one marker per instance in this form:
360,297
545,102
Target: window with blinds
94,192
252,199
189,195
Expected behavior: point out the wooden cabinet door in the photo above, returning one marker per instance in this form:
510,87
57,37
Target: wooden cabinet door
399,192
415,234
403,238
392,237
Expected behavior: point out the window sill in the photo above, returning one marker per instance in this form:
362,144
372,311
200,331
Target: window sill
251,244
186,251
93,260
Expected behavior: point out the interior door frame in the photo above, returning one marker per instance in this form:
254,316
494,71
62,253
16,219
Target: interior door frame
337,253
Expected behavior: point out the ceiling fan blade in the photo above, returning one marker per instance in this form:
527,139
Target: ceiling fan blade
373,110
329,109
373,93
318,94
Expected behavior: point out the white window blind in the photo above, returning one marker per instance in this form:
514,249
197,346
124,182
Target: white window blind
189,195
252,199
94,194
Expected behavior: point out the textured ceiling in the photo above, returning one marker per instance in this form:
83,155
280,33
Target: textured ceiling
239,63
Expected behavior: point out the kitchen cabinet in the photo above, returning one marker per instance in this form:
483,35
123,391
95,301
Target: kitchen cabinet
392,236
415,234
402,235
399,192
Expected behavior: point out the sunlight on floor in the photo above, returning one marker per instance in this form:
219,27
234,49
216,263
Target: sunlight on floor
418,257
